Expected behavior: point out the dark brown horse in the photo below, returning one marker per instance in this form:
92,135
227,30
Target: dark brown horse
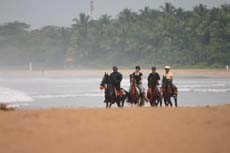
154,96
111,95
134,92
168,92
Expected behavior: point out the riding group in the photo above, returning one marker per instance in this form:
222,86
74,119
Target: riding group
136,95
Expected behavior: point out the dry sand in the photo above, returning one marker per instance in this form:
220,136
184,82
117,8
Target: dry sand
128,130
125,72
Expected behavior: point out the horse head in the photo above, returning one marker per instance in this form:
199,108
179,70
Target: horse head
132,79
105,80
164,82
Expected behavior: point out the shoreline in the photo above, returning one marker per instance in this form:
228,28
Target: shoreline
8,107
128,130
125,72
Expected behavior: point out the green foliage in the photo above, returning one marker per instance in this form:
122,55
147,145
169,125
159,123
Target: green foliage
172,36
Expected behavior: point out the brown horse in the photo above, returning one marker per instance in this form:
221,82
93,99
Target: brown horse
168,93
134,92
154,96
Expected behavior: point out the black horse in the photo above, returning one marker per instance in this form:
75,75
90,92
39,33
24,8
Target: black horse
111,95
168,92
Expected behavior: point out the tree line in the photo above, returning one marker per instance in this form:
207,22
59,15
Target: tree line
182,38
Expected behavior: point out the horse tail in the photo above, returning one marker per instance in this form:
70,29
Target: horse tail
126,92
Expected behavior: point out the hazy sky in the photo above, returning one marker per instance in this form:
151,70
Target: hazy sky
39,13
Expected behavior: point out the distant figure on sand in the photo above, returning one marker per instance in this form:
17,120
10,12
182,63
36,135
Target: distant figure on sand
227,67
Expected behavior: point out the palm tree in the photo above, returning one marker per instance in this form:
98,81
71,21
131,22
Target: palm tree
103,23
82,24
201,10
168,8
126,19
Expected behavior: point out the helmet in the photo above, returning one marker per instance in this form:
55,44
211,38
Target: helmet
138,67
115,68
167,67
154,68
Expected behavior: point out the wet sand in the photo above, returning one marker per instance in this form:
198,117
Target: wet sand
128,130
125,72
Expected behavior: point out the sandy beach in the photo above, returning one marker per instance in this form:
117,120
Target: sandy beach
128,130
125,72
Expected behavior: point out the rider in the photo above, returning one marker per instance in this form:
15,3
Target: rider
116,78
139,79
169,78
153,78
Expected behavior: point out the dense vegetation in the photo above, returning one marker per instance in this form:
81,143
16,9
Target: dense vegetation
172,36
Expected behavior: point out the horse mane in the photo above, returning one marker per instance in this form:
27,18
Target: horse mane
132,79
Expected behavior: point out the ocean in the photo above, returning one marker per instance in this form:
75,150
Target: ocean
84,92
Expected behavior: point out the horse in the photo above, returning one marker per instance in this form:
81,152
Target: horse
111,95
154,96
168,93
134,92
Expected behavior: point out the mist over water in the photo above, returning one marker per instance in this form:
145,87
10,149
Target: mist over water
84,92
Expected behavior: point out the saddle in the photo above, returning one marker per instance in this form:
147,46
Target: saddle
137,89
119,93
173,90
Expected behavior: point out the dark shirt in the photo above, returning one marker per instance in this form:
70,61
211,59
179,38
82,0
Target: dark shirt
138,77
153,79
115,78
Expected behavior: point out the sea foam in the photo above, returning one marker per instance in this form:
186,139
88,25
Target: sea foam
8,95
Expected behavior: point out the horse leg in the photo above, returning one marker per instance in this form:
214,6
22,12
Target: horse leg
142,102
118,103
175,99
170,102
123,101
160,101
165,101
157,102
117,100
111,103
151,103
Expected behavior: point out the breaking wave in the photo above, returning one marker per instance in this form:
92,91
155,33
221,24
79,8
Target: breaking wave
8,95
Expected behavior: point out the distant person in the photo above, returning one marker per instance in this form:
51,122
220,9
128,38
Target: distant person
153,78
169,77
116,78
227,67
139,79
